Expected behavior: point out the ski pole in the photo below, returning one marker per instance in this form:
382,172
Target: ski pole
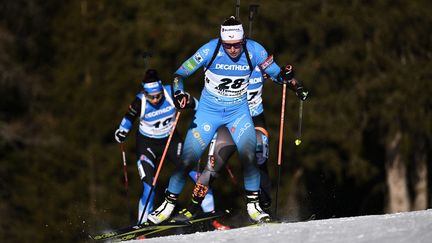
237,15
298,140
126,181
280,144
160,166
253,10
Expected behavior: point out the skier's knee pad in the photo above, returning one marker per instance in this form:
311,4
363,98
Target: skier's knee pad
262,150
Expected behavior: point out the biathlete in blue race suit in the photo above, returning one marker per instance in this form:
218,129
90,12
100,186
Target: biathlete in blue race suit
222,147
156,111
223,102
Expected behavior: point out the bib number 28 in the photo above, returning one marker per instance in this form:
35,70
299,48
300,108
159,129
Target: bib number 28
230,84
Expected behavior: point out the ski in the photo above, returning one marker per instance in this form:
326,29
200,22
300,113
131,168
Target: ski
208,216
278,221
262,224
131,232
193,222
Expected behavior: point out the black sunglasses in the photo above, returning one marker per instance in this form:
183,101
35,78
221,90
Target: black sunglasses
153,97
235,45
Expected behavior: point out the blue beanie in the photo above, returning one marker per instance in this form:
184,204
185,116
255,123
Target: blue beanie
151,82
153,87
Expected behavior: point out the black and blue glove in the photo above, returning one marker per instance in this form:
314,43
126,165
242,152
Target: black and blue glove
181,99
286,74
120,135
302,93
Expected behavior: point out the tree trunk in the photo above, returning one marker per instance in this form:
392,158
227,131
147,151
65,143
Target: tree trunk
92,186
292,206
398,197
420,182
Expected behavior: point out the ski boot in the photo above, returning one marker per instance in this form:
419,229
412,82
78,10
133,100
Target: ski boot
164,211
265,205
188,213
194,208
255,212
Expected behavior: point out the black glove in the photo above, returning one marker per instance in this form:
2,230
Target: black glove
302,93
286,74
181,99
120,135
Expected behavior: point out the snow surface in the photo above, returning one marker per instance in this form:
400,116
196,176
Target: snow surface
410,227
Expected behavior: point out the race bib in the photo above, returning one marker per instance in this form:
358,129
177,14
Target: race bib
226,86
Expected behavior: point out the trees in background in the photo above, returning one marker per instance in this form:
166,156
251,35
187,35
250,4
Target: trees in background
69,69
